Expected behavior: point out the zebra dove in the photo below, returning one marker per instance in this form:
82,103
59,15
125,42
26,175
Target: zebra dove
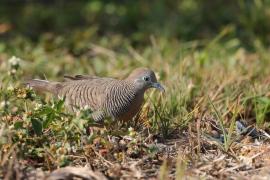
106,97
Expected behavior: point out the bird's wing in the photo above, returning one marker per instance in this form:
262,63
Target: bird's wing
80,77
86,92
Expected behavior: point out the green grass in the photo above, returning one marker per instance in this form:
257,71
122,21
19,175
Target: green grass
214,79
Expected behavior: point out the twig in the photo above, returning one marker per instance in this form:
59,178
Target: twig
102,158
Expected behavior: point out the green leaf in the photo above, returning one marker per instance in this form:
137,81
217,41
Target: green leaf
37,126
46,110
18,125
50,117
59,105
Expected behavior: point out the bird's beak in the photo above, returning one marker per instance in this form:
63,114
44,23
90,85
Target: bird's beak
158,86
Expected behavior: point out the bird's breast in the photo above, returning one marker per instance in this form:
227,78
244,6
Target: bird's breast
132,109
123,102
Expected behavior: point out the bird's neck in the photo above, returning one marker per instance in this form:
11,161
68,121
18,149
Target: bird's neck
138,90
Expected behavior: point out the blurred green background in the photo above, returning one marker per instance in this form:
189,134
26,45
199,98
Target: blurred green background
93,37
90,20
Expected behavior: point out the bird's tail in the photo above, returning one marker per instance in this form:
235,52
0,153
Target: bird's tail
44,86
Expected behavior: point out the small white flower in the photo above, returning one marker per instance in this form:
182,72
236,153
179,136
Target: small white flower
86,107
132,132
74,149
14,61
37,106
29,87
12,72
130,129
4,104
10,88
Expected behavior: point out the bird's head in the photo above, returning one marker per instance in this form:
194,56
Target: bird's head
144,79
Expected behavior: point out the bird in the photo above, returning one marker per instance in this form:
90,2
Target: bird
119,99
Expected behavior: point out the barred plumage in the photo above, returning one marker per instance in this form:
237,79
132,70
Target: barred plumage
119,99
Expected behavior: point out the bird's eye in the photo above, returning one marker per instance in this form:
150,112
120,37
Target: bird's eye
146,78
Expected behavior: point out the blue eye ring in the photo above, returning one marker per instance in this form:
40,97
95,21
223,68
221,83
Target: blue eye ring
146,78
